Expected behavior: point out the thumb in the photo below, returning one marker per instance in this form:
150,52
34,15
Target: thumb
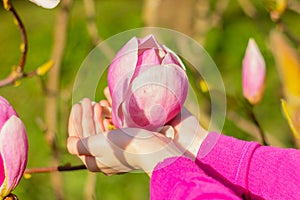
168,131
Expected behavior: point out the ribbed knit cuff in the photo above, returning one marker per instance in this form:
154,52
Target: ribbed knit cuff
168,173
180,178
227,160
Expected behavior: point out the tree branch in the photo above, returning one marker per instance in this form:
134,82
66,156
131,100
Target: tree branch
90,12
18,72
282,27
61,168
52,91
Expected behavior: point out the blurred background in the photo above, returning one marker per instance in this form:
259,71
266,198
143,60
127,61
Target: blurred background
69,32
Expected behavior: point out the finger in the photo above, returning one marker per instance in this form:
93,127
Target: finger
106,108
108,125
96,145
88,126
75,121
98,118
168,131
107,95
77,147
95,165
91,163
80,148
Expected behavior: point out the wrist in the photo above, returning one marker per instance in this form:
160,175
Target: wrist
154,151
193,148
189,137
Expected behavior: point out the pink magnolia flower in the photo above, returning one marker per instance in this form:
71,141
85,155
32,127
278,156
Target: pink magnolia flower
148,84
13,148
46,3
253,73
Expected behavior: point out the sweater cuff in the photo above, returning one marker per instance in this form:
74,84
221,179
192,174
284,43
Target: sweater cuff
226,158
168,173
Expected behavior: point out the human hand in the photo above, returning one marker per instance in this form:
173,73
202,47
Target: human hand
188,133
114,151
184,129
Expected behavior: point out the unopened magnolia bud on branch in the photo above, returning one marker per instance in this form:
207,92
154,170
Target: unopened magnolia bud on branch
13,148
253,73
148,84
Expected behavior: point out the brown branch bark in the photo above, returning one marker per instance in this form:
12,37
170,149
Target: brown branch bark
24,44
90,184
52,90
294,5
252,129
62,168
90,12
18,72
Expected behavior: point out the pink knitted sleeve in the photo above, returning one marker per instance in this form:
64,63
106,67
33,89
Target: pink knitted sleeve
251,170
180,178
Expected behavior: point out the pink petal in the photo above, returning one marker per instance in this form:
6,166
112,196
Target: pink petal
149,57
2,173
120,73
148,42
118,96
172,57
124,68
136,56
253,73
156,96
123,64
14,149
6,111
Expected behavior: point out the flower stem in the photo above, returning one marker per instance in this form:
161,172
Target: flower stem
261,132
283,28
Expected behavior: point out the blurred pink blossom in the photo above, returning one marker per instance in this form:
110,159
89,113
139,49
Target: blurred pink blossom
253,73
13,148
148,84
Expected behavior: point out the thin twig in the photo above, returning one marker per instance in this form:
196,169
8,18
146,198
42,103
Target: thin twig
282,27
90,185
248,7
62,168
52,92
294,5
255,121
24,45
18,72
90,12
